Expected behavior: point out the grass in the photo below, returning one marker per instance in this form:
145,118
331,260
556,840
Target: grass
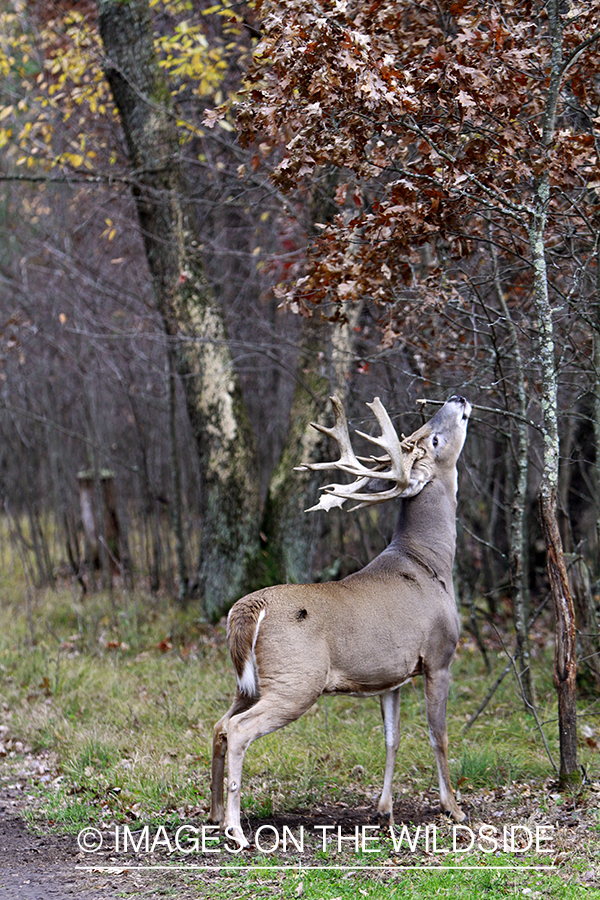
118,696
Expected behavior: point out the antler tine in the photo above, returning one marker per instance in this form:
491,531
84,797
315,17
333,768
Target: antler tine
348,461
337,494
400,457
390,442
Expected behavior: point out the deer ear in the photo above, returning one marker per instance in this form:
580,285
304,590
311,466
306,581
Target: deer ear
414,487
419,478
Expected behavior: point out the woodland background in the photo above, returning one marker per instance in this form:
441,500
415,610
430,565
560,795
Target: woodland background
214,216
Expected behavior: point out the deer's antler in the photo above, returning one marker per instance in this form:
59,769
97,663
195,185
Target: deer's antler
395,466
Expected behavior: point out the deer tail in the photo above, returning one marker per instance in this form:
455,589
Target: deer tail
243,624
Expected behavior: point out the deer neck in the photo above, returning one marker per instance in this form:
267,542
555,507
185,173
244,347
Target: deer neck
425,531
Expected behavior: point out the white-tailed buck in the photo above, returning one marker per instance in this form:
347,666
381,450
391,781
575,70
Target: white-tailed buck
368,633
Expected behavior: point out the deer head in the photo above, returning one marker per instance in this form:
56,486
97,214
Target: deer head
408,463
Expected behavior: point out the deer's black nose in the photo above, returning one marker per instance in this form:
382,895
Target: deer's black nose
457,399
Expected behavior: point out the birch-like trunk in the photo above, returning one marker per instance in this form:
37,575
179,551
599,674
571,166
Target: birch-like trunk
565,663
518,517
565,660
191,316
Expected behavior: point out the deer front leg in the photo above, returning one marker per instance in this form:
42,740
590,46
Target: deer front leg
390,710
436,695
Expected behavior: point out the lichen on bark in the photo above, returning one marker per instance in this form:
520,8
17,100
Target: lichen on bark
192,318
565,666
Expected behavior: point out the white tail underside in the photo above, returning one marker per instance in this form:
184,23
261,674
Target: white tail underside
248,681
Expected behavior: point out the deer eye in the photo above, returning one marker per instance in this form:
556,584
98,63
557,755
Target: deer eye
435,441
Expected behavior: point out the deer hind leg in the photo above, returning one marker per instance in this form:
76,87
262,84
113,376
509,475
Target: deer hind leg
390,710
271,712
217,809
436,695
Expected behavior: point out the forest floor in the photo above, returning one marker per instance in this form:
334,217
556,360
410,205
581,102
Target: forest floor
106,716
43,862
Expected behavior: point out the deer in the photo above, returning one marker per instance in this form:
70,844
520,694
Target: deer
370,632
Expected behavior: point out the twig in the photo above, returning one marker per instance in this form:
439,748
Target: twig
502,675
526,701
481,540
489,695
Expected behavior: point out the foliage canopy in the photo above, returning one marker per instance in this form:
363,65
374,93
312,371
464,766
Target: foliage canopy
437,117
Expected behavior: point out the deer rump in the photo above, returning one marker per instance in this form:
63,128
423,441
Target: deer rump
330,648
368,633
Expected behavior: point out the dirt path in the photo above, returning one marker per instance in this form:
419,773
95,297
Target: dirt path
33,867
49,865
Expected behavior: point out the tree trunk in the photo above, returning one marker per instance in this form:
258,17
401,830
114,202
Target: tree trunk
586,617
565,654
518,518
192,318
565,657
100,519
596,415
177,500
565,660
289,533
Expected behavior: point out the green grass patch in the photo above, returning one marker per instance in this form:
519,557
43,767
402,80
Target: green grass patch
484,765
118,696
426,884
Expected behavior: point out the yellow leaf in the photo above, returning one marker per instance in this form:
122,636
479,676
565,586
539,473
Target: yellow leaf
75,159
110,230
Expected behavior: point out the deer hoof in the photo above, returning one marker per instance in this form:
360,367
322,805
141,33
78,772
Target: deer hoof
235,833
216,816
386,818
457,814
